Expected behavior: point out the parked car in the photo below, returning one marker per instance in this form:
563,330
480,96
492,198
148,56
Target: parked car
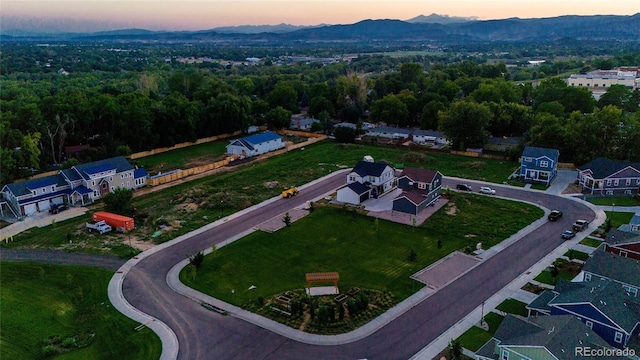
463,187
487,190
580,225
568,234
56,208
554,215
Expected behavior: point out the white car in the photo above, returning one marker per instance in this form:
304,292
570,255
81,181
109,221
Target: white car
487,190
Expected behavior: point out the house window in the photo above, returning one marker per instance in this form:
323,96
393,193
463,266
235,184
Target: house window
93,183
618,337
638,182
615,182
627,192
352,178
628,182
544,164
609,192
110,178
53,188
504,355
422,186
587,277
34,193
623,253
104,185
96,193
44,190
608,182
121,176
122,184
589,324
527,159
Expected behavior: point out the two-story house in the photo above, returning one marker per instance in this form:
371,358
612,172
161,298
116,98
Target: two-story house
604,307
367,179
548,337
609,177
81,184
623,243
256,144
602,265
539,165
420,188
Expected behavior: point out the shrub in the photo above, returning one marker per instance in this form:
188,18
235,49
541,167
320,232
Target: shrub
196,259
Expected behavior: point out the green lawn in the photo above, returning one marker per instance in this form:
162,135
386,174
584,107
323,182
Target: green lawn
545,277
617,201
330,239
41,302
493,320
474,338
513,306
619,218
591,242
574,254
179,158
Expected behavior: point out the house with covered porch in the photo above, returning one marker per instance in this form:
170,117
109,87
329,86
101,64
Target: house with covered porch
603,176
539,165
367,179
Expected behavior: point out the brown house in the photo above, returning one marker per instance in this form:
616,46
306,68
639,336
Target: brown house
623,243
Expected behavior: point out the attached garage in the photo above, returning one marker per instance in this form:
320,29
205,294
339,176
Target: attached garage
29,209
354,193
44,205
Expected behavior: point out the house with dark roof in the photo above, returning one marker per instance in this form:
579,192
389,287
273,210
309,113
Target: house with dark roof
254,145
609,177
420,188
633,226
302,124
548,337
539,165
420,136
602,265
390,132
604,307
373,178
82,184
623,243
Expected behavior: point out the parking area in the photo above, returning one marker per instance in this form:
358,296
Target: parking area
446,269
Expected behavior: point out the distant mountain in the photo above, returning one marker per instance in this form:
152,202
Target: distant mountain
440,19
565,28
257,29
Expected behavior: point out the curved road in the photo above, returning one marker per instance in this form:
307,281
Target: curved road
203,334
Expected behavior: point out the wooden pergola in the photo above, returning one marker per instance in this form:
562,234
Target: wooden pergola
323,277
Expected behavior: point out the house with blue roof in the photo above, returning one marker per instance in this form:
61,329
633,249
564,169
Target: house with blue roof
367,179
80,185
255,145
539,165
603,176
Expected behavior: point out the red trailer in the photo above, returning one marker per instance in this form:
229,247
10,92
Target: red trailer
118,222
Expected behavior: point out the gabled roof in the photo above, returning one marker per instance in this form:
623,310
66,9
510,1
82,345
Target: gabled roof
635,220
541,303
82,190
614,267
365,168
139,173
419,175
358,188
602,167
25,187
420,132
71,174
608,297
391,130
416,196
559,334
119,164
537,152
251,141
618,237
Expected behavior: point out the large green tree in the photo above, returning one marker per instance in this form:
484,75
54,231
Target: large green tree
465,124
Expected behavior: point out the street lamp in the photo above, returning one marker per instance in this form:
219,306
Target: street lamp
221,208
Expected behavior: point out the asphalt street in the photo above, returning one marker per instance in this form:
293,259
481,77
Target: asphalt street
203,334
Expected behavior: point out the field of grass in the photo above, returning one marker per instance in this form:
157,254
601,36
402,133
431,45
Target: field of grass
330,239
474,338
591,242
180,158
48,307
619,218
513,306
617,201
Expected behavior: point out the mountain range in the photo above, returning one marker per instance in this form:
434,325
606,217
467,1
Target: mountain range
432,28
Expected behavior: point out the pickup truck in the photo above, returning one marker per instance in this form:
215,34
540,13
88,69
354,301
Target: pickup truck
580,225
100,226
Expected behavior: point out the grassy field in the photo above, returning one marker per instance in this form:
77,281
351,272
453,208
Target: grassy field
185,158
49,307
617,201
330,239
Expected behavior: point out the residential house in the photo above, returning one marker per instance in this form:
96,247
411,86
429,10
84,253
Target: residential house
345,124
420,188
302,124
539,165
390,132
429,137
605,307
602,265
377,177
547,337
609,177
82,184
254,145
623,243
633,225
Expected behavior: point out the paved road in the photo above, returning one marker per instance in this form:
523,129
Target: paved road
203,334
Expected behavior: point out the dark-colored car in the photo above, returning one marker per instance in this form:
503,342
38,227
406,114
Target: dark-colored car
463,187
554,215
56,208
568,234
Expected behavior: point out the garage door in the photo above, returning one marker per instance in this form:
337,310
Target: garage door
43,205
58,200
29,209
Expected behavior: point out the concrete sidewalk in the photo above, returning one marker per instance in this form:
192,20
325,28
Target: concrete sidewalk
40,220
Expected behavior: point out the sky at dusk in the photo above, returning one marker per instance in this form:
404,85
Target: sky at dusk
97,15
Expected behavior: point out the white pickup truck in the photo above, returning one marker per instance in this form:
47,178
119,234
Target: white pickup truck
100,226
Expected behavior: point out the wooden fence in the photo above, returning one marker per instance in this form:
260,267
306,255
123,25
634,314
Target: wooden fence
181,145
188,172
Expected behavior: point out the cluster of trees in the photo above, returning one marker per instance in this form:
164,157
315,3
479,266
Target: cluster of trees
122,107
